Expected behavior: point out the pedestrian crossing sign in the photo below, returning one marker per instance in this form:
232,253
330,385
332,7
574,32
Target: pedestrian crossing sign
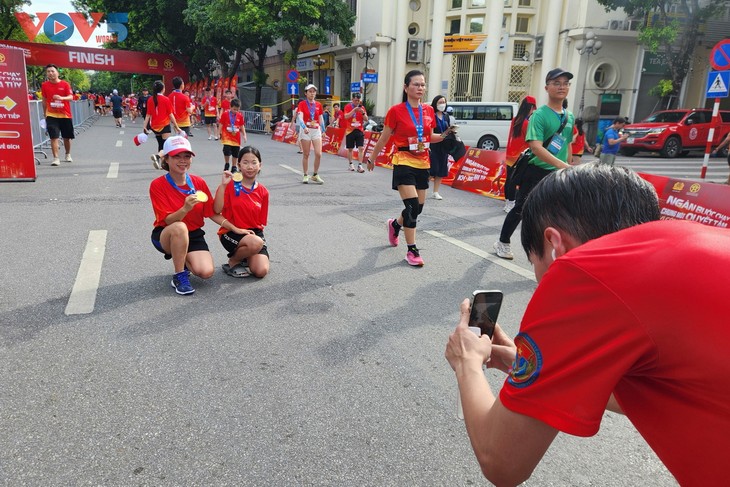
718,83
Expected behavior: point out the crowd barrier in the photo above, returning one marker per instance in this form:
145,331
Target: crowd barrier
482,171
82,112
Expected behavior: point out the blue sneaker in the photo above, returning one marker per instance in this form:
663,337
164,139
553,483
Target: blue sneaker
181,283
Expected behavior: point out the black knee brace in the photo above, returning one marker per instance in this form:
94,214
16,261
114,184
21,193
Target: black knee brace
420,208
410,212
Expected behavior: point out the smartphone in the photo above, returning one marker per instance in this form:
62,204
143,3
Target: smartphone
485,307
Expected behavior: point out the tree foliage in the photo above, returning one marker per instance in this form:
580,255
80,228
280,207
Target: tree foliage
9,27
674,36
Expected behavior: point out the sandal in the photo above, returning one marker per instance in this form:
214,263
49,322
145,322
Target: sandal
238,271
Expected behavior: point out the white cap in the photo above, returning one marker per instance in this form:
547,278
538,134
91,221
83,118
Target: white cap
309,87
115,92
175,145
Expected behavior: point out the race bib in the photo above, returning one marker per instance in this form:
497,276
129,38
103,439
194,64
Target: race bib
556,144
417,147
57,104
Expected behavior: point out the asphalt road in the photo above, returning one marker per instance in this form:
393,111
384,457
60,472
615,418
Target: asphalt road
328,372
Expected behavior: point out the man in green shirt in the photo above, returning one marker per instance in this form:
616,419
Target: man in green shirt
551,123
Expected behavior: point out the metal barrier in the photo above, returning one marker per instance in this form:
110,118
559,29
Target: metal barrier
82,112
255,122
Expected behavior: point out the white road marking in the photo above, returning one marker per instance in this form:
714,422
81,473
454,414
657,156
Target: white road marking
492,258
119,143
83,294
113,170
295,171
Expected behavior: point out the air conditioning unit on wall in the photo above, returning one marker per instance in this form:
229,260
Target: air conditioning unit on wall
616,25
416,50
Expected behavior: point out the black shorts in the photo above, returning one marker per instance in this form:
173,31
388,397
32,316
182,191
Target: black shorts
165,130
231,150
354,139
230,241
210,120
60,127
117,113
410,176
196,241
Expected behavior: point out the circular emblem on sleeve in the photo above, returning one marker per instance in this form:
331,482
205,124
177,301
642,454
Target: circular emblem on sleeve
528,362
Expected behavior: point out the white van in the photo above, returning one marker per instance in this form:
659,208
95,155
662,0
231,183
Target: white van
484,124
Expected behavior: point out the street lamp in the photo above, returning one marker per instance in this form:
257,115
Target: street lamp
367,53
589,45
319,61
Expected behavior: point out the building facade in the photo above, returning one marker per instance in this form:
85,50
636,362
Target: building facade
497,50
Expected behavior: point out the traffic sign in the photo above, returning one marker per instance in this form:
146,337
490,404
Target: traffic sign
292,88
718,84
370,78
327,85
720,55
292,75
355,87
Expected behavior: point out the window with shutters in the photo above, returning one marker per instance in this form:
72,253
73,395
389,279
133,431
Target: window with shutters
467,77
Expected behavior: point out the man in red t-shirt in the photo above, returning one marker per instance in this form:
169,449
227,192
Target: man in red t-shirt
210,114
57,96
232,128
181,105
355,118
613,325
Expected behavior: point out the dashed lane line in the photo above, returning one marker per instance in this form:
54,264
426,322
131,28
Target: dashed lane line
113,170
83,294
492,258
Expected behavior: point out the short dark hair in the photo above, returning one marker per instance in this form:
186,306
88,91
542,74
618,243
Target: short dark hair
620,120
407,81
50,66
236,103
249,149
587,202
177,82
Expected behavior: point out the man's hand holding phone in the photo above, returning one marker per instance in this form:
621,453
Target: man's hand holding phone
464,349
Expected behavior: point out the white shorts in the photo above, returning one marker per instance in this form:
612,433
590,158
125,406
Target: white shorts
314,134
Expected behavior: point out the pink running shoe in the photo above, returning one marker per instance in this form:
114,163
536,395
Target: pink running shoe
392,235
414,258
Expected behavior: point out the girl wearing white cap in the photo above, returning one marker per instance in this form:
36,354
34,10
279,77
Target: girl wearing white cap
310,120
181,202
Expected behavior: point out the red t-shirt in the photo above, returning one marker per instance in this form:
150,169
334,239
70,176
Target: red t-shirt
225,105
180,103
160,113
340,117
515,145
166,200
56,108
306,110
211,106
231,119
642,314
404,134
357,120
579,142
250,209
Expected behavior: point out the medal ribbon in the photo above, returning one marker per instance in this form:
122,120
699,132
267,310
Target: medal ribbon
312,110
419,123
188,181
238,187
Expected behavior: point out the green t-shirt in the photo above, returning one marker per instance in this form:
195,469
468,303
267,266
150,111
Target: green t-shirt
544,122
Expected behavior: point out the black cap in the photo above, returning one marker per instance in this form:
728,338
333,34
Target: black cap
557,73
356,95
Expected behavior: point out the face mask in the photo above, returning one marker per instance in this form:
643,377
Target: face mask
441,107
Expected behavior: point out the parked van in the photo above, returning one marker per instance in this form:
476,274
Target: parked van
484,124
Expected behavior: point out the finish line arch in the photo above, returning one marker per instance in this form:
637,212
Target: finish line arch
163,65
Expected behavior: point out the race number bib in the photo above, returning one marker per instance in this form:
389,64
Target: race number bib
417,147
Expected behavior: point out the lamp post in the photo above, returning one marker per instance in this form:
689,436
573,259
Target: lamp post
367,53
589,45
319,61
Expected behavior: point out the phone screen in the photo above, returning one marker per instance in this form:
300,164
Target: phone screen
485,310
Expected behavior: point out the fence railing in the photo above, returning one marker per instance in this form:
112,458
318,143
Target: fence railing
82,112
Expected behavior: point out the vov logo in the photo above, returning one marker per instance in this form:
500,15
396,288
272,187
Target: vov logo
59,27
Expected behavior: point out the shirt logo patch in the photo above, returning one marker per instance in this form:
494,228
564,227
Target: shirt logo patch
528,362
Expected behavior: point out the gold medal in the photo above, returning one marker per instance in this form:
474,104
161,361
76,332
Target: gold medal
202,196
237,177
421,147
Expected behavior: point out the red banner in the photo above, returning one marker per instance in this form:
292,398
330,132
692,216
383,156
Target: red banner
684,199
481,171
16,141
102,60
333,140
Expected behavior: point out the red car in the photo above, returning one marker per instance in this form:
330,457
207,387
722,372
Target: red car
674,133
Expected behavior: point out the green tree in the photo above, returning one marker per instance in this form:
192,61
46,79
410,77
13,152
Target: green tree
9,26
673,34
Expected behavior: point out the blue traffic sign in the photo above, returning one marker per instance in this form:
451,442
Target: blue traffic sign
370,78
718,83
327,85
355,87
720,55
292,88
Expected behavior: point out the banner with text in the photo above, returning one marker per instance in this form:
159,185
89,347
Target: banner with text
16,141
